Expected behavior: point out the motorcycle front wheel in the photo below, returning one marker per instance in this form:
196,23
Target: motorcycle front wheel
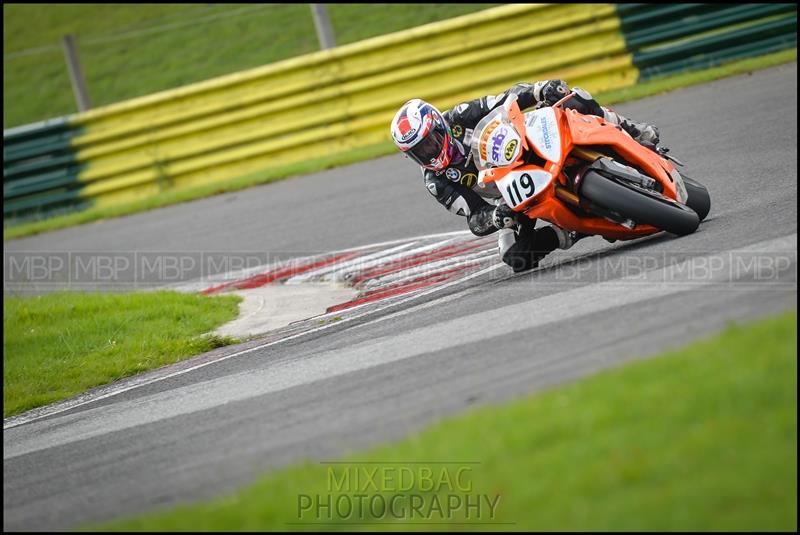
699,200
638,204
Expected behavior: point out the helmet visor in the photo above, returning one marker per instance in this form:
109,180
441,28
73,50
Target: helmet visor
428,151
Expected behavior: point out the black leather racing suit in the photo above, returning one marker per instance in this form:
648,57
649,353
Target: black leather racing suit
456,186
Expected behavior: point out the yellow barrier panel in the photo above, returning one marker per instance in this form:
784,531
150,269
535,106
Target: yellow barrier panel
336,100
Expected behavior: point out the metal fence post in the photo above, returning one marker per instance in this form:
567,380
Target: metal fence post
76,73
322,22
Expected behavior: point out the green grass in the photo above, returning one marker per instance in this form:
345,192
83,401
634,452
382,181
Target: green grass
61,344
703,438
653,87
124,55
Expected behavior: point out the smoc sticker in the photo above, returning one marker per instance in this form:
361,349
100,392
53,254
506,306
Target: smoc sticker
496,141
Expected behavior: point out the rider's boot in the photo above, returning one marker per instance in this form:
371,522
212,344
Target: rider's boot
522,250
644,133
566,239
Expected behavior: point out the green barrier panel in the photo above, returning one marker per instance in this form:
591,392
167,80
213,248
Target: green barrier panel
666,39
40,171
35,165
767,46
724,17
711,50
35,147
39,182
634,16
42,206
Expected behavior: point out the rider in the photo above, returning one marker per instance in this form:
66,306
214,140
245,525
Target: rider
440,143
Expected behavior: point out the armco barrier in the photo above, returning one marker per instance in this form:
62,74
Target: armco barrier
40,169
667,38
339,99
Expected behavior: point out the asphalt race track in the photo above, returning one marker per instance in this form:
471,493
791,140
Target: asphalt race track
381,374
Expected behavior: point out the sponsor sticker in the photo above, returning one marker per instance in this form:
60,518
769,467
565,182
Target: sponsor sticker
546,136
497,141
469,180
408,135
511,146
457,130
453,174
491,127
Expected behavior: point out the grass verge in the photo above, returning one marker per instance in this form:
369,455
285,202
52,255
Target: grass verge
652,87
58,345
704,438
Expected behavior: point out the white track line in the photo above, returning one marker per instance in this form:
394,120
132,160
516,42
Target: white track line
343,266
433,267
397,256
231,277
204,283
390,302
402,240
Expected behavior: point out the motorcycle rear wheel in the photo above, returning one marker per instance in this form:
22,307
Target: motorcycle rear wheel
640,205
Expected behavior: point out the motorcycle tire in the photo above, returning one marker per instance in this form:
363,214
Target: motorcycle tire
699,200
640,205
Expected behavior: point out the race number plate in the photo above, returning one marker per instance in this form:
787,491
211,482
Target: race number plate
519,186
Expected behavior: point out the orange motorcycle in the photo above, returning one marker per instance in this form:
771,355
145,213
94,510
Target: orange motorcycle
584,174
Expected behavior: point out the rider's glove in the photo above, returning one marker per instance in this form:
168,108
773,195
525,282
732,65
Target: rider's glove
551,91
504,217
